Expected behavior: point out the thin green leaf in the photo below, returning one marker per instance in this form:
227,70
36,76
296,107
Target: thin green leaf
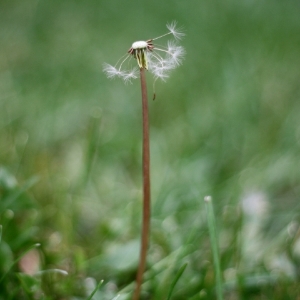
214,245
178,275
95,290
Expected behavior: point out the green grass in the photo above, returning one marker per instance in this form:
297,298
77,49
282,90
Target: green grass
214,240
225,124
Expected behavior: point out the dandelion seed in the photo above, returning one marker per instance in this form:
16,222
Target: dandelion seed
133,74
110,70
158,60
177,33
176,53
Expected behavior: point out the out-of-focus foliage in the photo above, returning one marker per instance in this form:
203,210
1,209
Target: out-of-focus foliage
225,124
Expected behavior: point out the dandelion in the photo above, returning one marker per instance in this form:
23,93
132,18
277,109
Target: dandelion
158,60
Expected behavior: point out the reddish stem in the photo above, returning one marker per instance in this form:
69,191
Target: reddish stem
146,188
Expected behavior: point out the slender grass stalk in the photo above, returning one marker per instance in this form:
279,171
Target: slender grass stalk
211,221
176,278
146,188
95,290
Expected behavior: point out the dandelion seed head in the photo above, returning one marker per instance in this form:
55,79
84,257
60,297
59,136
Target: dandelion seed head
158,60
139,45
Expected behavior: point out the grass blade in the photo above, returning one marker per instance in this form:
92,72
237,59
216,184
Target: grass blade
178,275
95,290
214,245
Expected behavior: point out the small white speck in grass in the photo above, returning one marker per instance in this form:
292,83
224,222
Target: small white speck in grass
207,198
53,271
255,204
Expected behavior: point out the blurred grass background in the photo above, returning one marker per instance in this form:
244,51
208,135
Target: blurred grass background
225,124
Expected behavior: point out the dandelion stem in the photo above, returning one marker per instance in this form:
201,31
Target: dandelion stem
146,188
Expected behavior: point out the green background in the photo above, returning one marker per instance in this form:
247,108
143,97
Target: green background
225,124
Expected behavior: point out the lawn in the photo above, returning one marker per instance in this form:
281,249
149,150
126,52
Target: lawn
225,124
